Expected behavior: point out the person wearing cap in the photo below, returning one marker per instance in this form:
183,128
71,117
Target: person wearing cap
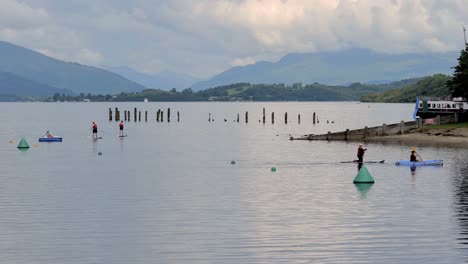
360,153
121,127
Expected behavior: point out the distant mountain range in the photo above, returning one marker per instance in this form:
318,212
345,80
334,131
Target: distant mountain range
12,86
165,80
336,68
36,67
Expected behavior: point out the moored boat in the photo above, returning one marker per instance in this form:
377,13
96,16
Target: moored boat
420,163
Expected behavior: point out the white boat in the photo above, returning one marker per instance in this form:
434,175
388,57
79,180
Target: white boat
428,108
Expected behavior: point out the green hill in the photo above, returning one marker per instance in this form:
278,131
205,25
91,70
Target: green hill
267,92
433,86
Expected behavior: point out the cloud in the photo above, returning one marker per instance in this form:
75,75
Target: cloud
205,37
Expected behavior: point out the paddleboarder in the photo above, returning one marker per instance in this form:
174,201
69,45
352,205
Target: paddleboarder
94,127
121,127
360,153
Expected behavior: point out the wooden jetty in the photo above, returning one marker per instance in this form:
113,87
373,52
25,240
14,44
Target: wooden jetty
378,131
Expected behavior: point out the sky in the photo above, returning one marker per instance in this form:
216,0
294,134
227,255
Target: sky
205,37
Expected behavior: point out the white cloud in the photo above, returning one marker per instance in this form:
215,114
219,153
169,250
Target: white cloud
204,37
243,61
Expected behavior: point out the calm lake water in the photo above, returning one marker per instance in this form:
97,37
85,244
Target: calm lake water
168,193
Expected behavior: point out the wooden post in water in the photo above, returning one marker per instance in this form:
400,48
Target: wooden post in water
402,127
328,135
237,117
117,115
178,116
116,110
286,117
162,116
209,117
139,116
125,115
313,118
247,117
135,113
272,117
384,127
110,114
346,134
168,115
263,115
128,116
157,115
146,116
299,118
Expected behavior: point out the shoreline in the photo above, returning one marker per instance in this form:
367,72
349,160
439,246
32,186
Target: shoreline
448,137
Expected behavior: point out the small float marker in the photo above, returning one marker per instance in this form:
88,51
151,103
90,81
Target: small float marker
273,169
100,153
363,176
23,144
11,141
233,162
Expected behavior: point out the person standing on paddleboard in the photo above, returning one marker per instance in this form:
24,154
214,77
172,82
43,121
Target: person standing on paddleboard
121,127
360,153
94,127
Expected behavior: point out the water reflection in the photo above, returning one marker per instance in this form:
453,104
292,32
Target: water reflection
363,189
461,203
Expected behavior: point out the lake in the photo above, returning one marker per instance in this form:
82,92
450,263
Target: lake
168,192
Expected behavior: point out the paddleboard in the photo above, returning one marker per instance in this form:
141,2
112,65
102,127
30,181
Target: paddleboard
369,161
97,138
123,136
420,163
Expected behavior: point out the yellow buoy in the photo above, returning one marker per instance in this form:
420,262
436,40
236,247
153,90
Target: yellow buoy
11,141
35,145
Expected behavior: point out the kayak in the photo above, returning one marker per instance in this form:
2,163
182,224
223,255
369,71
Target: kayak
369,161
50,139
420,163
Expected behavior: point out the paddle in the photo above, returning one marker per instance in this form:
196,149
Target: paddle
419,156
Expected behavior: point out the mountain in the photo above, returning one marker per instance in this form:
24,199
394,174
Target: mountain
333,68
165,80
432,86
13,86
40,68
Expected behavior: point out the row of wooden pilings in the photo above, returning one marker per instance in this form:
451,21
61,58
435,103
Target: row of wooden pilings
137,115
263,120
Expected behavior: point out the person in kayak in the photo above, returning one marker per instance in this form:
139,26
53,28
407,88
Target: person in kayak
48,135
360,153
413,157
94,127
121,127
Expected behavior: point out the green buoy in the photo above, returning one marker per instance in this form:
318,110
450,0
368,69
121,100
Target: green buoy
23,144
273,169
363,176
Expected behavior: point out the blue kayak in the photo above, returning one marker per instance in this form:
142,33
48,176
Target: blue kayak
50,139
420,163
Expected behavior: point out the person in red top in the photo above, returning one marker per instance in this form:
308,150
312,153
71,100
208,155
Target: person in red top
121,127
94,127
49,135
